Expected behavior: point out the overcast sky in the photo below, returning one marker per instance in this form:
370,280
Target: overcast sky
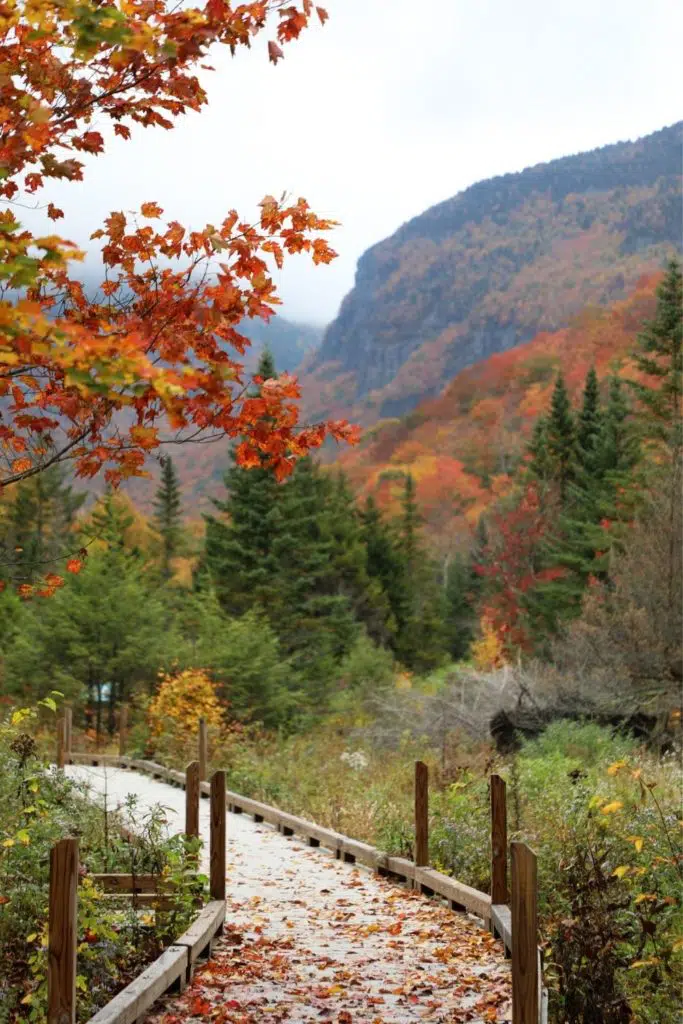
391,107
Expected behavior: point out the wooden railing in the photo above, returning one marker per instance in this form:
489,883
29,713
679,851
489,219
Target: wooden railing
175,965
512,916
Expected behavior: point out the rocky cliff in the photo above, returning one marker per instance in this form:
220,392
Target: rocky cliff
487,269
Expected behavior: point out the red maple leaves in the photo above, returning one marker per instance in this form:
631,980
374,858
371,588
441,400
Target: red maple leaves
102,380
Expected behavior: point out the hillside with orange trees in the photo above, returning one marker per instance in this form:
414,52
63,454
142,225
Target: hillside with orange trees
490,267
463,447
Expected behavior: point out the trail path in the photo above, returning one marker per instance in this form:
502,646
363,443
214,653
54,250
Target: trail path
309,938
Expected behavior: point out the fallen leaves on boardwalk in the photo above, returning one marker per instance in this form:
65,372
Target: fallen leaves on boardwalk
352,950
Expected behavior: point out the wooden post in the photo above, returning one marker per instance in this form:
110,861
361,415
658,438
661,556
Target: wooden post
499,841
61,733
68,729
123,729
203,752
192,799
525,987
62,933
217,842
421,814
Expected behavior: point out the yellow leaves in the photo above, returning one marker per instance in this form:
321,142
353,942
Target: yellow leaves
650,962
637,841
20,715
181,700
615,768
621,871
145,437
612,807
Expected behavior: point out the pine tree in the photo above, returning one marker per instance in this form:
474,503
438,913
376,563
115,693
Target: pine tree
589,424
561,437
311,614
168,515
660,355
421,640
37,525
370,603
238,560
661,413
540,464
618,450
109,521
461,591
384,563
599,503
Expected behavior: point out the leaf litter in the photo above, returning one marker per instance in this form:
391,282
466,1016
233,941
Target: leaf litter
309,938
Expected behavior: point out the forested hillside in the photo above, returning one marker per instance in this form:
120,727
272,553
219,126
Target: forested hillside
489,268
463,448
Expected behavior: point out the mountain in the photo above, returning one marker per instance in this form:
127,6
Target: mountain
288,341
487,269
463,447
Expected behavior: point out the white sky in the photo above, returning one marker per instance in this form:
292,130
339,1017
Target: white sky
391,107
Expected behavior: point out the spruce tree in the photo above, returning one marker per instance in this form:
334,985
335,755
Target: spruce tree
168,515
589,424
661,409
384,563
370,604
660,355
109,521
599,504
238,560
421,640
561,437
306,605
540,464
618,450
37,525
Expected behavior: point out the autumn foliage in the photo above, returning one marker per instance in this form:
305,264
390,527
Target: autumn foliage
180,701
154,355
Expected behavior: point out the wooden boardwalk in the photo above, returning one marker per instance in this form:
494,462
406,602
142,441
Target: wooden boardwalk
310,937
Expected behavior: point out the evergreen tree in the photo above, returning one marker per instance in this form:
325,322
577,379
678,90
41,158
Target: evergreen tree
370,603
384,563
661,408
660,355
168,515
37,525
561,437
238,560
618,450
540,464
110,519
421,640
589,424
100,637
462,586
598,505
306,604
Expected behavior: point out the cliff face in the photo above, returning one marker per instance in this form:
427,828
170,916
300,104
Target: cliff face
486,270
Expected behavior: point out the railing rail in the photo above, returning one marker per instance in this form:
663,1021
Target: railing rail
511,915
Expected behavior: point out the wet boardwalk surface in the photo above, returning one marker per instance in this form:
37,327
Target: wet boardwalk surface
309,938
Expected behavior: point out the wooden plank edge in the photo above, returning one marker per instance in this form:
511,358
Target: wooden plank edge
143,991
501,920
204,928
473,900
122,883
